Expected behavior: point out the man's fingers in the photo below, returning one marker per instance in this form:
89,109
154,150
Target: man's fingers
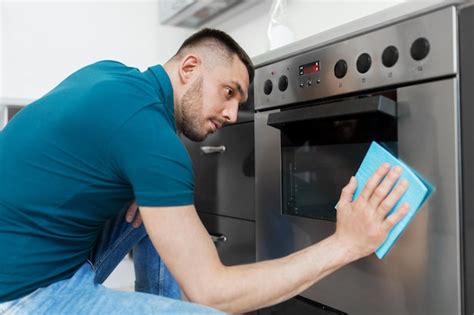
347,192
384,188
392,198
131,211
138,220
396,216
374,181
132,216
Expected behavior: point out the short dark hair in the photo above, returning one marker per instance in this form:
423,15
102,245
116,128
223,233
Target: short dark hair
228,42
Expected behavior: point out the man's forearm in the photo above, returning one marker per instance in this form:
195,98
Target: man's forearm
248,287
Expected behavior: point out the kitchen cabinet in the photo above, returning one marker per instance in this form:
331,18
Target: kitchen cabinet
224,196
224,172
234,238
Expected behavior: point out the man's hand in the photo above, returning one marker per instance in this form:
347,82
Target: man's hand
363,224
133,215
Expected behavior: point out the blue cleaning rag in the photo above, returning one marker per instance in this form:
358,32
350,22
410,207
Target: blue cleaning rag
418,190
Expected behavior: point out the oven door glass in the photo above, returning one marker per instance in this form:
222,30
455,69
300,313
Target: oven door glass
320,155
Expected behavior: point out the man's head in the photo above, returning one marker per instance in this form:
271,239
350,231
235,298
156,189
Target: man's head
210,75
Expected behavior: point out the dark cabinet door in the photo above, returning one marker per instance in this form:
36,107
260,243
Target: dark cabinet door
224,171
234,238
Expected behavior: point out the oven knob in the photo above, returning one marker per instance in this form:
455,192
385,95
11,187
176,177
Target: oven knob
420,48
267,87
390,56
283,83
340,69
364,62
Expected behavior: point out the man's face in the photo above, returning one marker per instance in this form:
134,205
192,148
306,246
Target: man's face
213,99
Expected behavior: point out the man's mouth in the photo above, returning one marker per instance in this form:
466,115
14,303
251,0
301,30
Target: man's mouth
215,125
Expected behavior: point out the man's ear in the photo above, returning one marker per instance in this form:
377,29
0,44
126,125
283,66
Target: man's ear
189,66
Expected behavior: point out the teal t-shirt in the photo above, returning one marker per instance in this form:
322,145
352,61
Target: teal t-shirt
74,158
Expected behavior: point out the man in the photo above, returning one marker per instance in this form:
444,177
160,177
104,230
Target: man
71,162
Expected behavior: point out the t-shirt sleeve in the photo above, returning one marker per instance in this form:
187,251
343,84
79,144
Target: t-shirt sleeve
147,153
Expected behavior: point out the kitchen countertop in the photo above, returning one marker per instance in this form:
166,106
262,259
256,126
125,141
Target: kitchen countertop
356,27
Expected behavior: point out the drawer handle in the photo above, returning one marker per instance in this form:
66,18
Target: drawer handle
218,238
212,149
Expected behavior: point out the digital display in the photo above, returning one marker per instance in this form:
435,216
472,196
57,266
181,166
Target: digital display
308,68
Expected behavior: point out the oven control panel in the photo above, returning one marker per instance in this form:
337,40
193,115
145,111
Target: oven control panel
418,49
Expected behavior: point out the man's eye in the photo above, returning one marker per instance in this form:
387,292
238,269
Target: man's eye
229,91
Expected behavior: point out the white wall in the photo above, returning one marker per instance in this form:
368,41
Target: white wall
46,41
304,18
2,69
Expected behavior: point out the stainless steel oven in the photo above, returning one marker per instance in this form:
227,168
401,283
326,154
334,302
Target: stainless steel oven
317,112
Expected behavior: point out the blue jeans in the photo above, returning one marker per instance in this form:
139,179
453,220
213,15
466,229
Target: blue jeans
158,292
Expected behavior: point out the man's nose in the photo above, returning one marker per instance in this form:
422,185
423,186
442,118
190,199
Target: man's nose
230,113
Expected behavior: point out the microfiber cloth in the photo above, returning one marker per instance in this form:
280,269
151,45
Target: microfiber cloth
418,191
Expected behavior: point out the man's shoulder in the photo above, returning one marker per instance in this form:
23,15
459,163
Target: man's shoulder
100,69
108,65
114,81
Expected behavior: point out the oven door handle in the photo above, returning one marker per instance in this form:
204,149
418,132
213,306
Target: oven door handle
212,149
358,106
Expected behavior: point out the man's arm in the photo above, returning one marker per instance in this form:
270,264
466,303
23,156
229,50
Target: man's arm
186,248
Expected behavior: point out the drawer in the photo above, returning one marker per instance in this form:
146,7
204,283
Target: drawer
234,239
224,169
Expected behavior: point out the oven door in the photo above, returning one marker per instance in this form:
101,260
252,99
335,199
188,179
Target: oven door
298,183
323,145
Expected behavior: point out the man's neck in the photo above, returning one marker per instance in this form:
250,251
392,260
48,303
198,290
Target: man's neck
172,74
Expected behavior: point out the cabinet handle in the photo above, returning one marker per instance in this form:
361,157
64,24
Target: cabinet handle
218,238
212,149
